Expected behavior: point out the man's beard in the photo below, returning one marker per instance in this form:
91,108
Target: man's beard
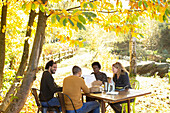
52,72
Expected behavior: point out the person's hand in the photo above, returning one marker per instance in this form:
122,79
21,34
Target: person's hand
97,83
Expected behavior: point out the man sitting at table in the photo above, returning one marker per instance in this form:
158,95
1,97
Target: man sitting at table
72,86
48,87
100,76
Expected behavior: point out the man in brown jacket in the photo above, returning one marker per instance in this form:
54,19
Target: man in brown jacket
72,86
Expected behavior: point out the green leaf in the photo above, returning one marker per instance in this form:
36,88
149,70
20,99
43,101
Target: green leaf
85,5
139,3
80,26
87,16
153,1
158,8
141,35
33,6
92,14
164,18
146,5
82,19
64,22
53,19
164,0
91,5
24,6
71,22
121,4
75,11
58,18
83,27
42,8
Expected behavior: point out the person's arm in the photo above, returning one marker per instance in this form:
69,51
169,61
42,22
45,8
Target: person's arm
51,84
84,87
126,80
104,78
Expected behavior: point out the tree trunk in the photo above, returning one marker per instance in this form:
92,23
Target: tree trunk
22,66
2,42
132,51
17,104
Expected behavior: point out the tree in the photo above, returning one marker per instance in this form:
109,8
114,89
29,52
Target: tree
110,17
2,40
22,66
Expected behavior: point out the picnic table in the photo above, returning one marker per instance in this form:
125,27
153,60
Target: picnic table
124,95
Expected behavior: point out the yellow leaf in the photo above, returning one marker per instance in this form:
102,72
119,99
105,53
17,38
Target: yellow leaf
134,34
28,27
70,33
4,28
80,44
61,38
160,18
65,12
28,6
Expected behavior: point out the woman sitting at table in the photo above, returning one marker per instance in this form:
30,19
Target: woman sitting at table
121,79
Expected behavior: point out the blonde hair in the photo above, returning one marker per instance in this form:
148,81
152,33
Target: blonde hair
121,69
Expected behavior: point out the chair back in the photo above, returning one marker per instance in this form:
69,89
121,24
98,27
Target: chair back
40,108
34,93
135,84
62,102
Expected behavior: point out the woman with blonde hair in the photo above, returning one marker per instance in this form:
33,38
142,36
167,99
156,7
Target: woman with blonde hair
120,76
121,79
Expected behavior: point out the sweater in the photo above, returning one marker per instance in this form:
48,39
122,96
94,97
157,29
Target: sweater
72,86
101,76
47,87
122,81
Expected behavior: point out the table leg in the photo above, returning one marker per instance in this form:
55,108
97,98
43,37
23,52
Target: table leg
102,106
128,104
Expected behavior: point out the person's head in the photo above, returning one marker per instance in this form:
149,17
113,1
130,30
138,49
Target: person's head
117,68
96,67
51,66
76,71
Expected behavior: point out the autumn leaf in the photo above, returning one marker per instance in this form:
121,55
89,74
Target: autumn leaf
82,19
4,28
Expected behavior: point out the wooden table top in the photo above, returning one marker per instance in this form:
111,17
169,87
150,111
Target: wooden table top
121,96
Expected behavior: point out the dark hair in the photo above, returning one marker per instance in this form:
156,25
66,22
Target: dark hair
96,63
76,69
50,63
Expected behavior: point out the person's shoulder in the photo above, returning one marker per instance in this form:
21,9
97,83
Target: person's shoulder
103,73
46,73
124,73
68,77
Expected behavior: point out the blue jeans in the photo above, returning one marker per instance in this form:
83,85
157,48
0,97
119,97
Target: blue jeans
53,102
88,106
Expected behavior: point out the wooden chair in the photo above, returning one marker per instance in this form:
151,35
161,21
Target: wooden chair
135,85
41,108
61,97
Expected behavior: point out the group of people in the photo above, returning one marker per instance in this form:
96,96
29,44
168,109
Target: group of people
73,86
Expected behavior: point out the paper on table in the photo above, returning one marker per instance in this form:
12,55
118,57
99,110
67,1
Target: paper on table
112,93
89,79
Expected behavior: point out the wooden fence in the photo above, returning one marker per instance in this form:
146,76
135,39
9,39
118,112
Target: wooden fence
58,57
